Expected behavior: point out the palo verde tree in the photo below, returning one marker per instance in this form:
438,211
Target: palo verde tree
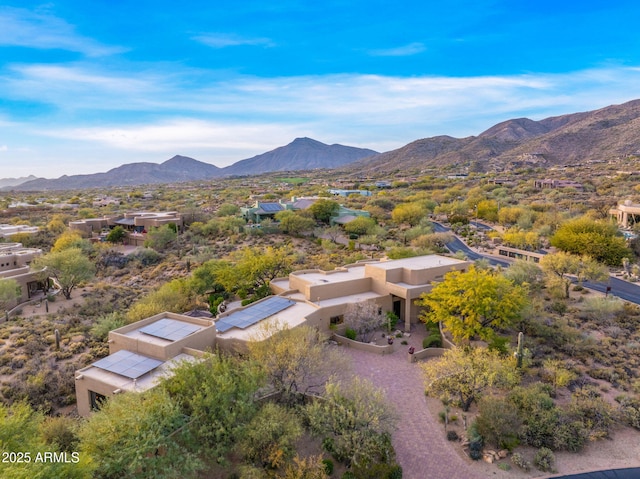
69,267
218,394
9,293
558,268
295,361
139,436
463,374
323,210
474,303
357,419
597,239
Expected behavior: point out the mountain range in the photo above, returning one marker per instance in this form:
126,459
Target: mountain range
602,134
301,154
610,132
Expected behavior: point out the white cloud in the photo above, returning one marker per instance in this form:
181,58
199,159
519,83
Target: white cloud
223,40
402,51
24,28
225,119
4,148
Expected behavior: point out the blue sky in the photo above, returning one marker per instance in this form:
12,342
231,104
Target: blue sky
87,86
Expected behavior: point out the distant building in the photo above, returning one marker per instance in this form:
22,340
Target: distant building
102,201
347,215
15,261
340,192
557,184
262,210
136,224
6,231
626,214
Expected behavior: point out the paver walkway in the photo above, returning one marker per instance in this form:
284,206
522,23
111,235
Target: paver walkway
421,447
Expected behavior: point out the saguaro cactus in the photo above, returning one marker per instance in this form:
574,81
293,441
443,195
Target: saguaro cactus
57,334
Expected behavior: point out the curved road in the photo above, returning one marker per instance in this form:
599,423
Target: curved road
622,289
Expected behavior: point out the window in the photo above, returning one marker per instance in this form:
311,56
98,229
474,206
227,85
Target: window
96,400
336,319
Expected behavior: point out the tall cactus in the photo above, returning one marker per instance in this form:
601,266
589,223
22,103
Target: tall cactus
519,353
57,335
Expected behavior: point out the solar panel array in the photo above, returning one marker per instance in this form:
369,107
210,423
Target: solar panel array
271,207
128,364
253,314
170,329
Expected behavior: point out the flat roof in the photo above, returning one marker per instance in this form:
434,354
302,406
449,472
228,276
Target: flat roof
418,262
142,383
337,276
292,316
142,333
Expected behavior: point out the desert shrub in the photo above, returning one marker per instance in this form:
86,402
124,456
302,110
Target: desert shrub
350,334
60,432
504,466
348,475
147,257
629,409
381,470
538,413
432,341
596,414
518,460
452,436
270,436
328,466
106,323
498,422
476,441
545,460
570,434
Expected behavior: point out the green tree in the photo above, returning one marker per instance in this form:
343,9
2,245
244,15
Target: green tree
357,419
323,210
474,303
228,209
525,272
487,210
270,437
218,394
408,213
597,239
293,223
161,238
362,225
559,266
295,361
69,267
116,235
72,239
139,436
22,431
464,374
175,296
9,293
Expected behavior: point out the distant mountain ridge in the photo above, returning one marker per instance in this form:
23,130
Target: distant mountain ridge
301,154
601,134
610,132
15,181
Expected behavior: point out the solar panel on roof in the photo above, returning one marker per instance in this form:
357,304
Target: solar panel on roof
170,329
253,314
128,364
270,207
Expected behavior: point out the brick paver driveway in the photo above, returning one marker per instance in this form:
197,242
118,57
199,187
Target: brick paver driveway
421,448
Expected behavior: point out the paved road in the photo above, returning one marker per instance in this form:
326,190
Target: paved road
622,289
457,245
